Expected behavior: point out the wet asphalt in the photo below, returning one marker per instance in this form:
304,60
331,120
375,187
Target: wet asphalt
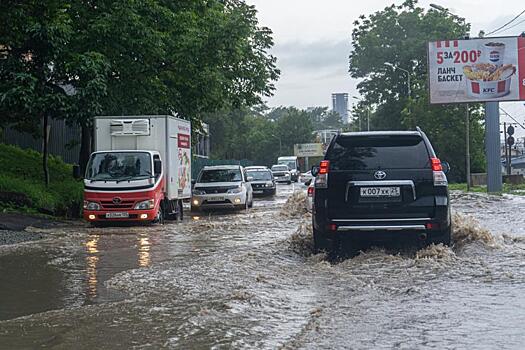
250,280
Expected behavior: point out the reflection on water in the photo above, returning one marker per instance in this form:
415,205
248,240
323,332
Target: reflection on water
144,251
91,265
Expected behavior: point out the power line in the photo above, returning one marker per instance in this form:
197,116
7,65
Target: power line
511,117
506,24
513,26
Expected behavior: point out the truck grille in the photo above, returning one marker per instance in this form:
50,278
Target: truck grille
122,205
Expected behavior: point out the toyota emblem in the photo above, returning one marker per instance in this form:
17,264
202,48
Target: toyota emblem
380,175
117,200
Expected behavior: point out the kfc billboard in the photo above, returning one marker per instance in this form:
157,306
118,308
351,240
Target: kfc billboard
477,70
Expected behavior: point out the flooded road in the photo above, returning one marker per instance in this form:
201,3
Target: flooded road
249,280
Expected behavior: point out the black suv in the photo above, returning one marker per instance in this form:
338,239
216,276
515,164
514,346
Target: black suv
380,186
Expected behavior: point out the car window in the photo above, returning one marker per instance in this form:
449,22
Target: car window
220,175
260,175
378,152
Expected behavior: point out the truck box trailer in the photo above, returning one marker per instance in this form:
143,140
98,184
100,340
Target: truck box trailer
140,170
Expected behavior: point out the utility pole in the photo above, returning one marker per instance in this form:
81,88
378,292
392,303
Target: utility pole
493,147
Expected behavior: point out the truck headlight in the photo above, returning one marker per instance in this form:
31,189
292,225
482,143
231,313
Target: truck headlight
144,205
198,192
91,205
235,190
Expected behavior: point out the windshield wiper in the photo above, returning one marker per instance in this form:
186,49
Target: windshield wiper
124,179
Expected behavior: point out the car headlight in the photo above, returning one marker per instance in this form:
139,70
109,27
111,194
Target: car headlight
198,192
91,205
144,205
235,190
269,184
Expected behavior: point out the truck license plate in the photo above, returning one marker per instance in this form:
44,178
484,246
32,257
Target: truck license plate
257,192
117,215
380,192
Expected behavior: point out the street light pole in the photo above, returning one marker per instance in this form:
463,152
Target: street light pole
368,115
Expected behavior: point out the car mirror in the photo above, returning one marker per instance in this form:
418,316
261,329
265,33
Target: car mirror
249,178
446,167
157,166
315,171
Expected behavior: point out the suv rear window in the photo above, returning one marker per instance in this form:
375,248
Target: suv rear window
374,152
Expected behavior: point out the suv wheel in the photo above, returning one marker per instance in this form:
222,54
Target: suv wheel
321,243
444,237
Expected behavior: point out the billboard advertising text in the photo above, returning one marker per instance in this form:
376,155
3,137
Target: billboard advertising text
477,70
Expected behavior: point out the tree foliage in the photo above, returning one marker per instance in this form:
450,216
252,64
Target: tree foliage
78,59
399,35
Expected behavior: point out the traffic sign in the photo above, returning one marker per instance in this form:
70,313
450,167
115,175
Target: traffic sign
510,140
510,130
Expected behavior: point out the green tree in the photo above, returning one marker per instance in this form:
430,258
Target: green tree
399,35
34,36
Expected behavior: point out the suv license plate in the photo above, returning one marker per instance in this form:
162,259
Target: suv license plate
216,199
379,192
117,215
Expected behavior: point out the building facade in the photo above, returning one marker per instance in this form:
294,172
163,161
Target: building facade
340,105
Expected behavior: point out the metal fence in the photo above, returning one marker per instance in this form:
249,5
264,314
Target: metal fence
64,140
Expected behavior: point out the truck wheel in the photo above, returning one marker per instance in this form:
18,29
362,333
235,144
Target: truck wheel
159,219
180,210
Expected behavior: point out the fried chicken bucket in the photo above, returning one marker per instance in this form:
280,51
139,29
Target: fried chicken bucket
487,80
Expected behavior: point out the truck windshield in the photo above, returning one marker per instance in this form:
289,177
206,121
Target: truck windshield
220,175
292,165
259,175
114,166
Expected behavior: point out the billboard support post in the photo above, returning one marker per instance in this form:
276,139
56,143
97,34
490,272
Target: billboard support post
492,147
467,147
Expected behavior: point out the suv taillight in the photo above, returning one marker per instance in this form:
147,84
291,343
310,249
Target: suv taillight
310,191
440,179
321,180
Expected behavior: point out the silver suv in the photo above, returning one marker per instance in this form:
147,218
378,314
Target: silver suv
224,186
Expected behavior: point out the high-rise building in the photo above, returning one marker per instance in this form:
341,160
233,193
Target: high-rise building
340,105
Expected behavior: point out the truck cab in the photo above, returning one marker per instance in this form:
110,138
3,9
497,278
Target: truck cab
123,185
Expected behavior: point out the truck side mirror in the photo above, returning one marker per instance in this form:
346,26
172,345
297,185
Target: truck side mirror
315,171
76,172
157,166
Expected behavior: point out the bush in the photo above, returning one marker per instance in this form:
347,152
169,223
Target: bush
21,172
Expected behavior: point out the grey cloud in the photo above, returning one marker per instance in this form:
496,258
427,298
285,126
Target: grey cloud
319,55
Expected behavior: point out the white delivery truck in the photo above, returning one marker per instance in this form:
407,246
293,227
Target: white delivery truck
140,170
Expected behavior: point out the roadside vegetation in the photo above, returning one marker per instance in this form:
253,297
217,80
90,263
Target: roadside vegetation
507,188
22,188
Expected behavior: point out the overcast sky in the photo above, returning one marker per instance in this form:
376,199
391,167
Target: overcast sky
313,41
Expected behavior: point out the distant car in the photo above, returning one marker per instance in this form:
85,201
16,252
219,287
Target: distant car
223,186
306,178
281,173
262,180
310,196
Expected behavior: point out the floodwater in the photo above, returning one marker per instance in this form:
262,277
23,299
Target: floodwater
249,280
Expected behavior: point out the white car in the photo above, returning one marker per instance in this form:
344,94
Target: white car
223,186
306,177
281,173
310,196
